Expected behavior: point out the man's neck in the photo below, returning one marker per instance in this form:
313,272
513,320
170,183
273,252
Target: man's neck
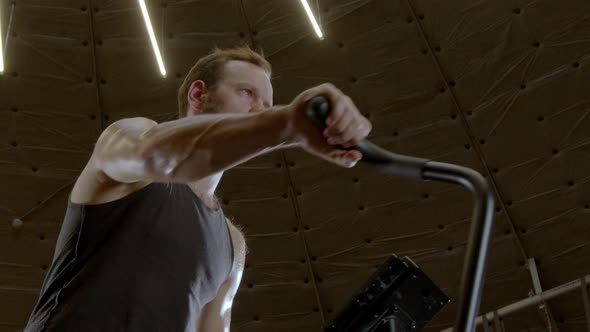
205,189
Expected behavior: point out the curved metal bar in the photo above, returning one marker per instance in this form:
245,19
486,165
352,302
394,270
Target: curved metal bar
397,165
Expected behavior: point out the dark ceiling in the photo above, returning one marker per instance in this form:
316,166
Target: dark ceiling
500,86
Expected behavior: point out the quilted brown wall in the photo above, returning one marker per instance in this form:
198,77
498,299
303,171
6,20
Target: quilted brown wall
500,86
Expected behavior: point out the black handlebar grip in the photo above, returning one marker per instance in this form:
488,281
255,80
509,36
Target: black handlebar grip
317,110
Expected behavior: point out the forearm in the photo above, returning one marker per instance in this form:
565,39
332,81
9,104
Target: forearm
195,147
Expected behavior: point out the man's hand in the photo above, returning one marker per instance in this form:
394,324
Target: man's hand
345,126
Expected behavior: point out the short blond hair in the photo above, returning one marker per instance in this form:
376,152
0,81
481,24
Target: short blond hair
209,68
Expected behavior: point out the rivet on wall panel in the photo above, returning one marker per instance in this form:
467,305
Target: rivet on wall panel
313,258
453,116
306,227
292,163
85,43
355,179
303,260
437,49
256,318
99,42
14,144
482,141
250,285
571,183
353,79
96,9
299,193
495,170
306,281
103,81
368,241
409,19
450,248
421,16
424,51
576,64
89,80
34,169
517,11
470,113
468,146
83,8
106,117
320,280
452,83
295,229
523,231
507,232
42,237
536,44
92,117
442,89
509,203
540,118
498,209
523,86
285,196
14,109
441,227
242,35
16,223
43,267
225,202
426,195
362,208
340,45
586,206
395,134
555,151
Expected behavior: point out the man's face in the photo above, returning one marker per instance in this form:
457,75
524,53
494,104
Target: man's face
242,88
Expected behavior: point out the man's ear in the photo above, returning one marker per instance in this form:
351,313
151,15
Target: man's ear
196,96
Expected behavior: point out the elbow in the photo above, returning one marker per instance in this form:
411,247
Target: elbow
166,162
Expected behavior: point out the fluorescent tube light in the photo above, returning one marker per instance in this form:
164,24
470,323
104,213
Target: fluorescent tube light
148,25
312,19
1,47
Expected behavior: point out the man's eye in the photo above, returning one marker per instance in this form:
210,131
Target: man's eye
247,92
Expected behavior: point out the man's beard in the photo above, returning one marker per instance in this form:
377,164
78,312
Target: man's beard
212,104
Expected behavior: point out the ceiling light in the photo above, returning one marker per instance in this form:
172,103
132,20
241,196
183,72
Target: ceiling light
315,24
1,47
148,25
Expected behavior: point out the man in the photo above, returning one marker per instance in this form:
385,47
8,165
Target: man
144,245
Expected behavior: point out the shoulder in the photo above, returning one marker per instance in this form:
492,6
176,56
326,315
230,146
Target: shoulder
93,186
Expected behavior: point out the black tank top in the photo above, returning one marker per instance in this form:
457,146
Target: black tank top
146,262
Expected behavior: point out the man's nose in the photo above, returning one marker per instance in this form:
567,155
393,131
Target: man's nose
256,106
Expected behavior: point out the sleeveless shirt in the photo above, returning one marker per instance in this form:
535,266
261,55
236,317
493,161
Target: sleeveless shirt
149,261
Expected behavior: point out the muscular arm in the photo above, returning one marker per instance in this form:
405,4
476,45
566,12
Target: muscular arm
188,149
